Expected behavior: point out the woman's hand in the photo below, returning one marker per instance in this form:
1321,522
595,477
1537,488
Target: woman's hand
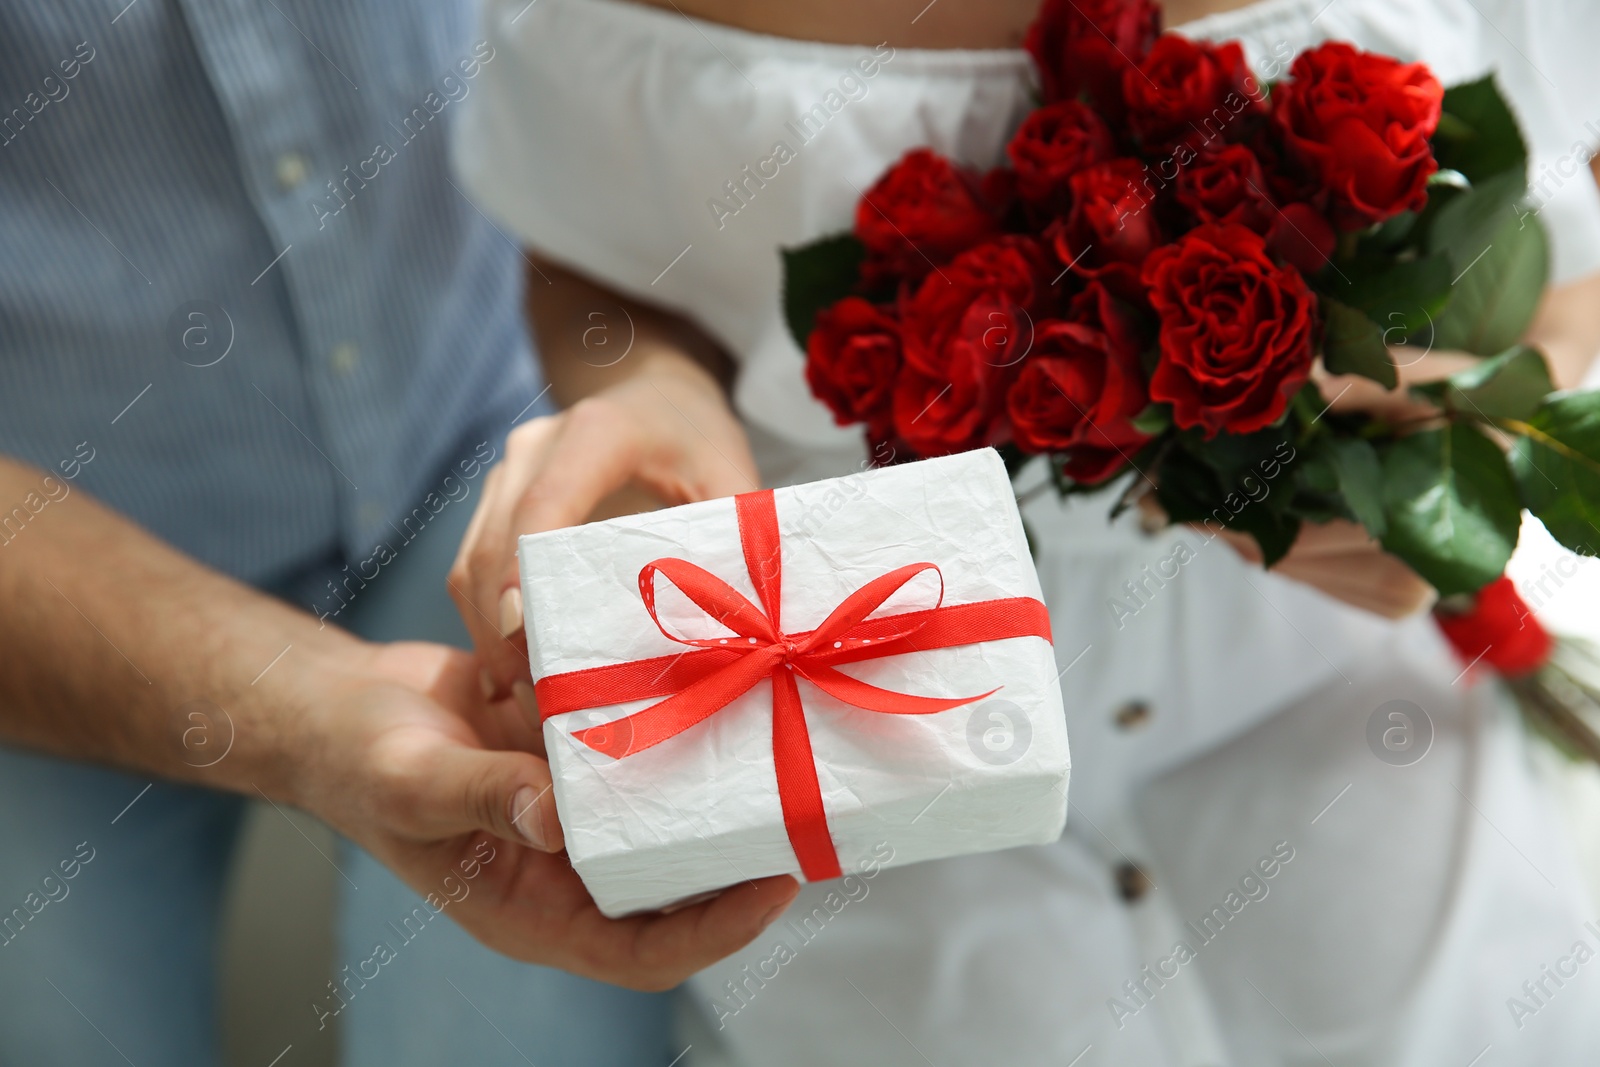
664,435
1344,561
1341,558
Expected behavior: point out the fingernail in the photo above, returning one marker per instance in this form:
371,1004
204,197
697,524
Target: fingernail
486,683
526,700
772,916
526,818
510,611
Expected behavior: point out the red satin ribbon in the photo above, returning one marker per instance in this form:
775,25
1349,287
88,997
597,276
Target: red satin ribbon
1499,629
700,683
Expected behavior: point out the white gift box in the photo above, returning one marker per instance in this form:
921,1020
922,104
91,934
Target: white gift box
701,810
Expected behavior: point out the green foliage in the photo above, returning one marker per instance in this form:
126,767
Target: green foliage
1451,507
1242,482
817,275
1353,344
1478,134
1360,481
1402,296
1499,282
1511,385
1557,467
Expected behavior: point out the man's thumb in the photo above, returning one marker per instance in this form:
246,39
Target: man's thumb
504,793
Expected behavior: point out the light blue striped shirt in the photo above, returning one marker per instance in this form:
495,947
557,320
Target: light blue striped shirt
235,269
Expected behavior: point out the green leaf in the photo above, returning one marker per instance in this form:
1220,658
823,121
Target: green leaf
1403,297
1467,220
1314,474
1240,482
1496,291
1477,133
1557,466
1391,233
1511,385
1273,532
1353,344
1316,496
816,275
1153,420
1355,462
1235,457
1451,506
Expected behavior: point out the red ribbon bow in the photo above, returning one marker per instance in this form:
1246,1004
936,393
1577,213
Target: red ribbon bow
700,683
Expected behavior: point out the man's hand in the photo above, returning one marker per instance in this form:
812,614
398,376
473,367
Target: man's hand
111,634
407,758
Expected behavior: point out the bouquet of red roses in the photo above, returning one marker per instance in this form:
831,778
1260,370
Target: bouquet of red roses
1170,249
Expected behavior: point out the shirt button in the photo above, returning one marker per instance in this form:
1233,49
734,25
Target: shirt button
290,170
1132,715
370,513
344,358
1132,883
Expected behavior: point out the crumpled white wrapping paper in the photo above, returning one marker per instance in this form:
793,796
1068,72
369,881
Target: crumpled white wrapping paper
700,811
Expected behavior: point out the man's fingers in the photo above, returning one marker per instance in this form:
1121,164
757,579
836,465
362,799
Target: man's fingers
503,793
676,945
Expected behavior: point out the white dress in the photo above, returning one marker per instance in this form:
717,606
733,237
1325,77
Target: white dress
1219,728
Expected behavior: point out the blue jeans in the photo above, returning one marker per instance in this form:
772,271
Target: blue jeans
116,963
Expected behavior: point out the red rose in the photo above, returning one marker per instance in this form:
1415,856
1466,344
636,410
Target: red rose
1082,47
1054,143
950,413
921,213
1236,330
999,190
1080,390
1499,630
1360,124
1008,272
965,331
1189,91
1112,225
852,359
1229,185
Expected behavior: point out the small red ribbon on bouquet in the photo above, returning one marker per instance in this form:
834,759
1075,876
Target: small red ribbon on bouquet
1499,629
699,683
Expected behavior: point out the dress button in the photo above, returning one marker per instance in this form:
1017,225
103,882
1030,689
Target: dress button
344,358
1132,883
1132,715
290,170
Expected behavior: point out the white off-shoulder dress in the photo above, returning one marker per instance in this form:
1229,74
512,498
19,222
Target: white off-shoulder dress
1220,727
